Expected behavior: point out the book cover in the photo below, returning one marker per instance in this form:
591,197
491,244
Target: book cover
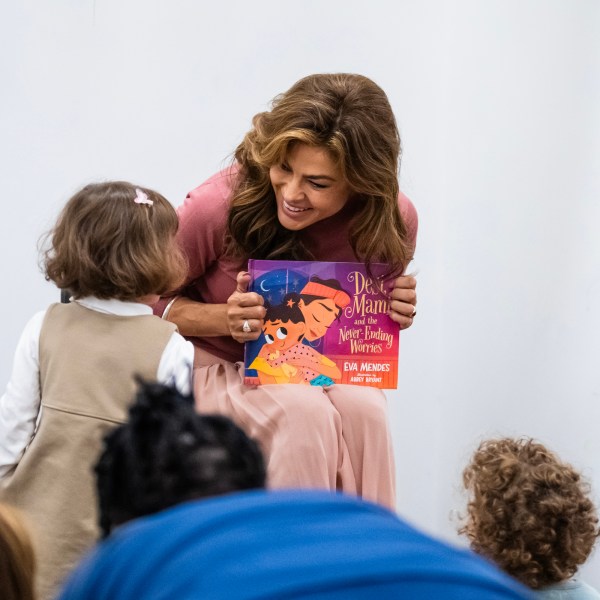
326,323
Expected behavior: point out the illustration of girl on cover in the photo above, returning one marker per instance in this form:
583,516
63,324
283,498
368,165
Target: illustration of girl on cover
284,358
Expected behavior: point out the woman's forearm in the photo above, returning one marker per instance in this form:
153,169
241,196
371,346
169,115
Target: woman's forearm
195,319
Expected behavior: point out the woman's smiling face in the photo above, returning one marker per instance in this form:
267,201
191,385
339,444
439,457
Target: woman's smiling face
318,316
309,187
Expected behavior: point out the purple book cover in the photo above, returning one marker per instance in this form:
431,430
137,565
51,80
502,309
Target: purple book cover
326,323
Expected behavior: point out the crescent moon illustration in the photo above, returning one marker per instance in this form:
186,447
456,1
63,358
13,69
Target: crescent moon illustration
262,286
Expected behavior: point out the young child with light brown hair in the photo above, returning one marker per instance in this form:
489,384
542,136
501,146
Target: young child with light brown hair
531,514
113,247
17,561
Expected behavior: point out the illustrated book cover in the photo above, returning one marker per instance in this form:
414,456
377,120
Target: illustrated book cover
326,323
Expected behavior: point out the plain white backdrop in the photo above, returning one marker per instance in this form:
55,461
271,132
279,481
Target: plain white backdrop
498,104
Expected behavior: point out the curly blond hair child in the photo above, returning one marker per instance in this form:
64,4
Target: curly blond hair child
531,514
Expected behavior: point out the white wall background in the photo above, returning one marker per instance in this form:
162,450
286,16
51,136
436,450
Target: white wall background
498,104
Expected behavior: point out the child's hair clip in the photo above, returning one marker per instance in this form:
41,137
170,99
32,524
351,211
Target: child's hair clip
142,198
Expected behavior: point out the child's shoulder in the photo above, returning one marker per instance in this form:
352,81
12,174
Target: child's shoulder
34,325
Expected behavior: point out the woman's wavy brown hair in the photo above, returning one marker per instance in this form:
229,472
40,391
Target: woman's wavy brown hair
106,245
351,117
528,512
17,560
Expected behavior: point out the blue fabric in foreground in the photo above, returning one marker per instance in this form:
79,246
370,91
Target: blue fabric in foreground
284,544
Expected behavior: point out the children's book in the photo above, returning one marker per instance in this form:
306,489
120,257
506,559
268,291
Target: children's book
326,323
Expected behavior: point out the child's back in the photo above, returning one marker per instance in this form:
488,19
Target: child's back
87,360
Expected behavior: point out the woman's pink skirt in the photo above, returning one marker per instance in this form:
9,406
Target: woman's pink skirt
334,438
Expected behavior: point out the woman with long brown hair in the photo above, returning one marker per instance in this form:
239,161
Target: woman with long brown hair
316,178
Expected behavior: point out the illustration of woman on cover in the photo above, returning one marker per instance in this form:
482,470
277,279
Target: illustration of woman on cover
321,302
315,178
284,358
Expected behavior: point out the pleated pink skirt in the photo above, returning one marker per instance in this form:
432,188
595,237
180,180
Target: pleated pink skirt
334,438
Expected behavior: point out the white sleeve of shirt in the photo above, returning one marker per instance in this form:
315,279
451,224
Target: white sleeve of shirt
20,404
176,364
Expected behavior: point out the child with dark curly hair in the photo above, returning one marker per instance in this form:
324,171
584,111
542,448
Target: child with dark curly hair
531,514
166,454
